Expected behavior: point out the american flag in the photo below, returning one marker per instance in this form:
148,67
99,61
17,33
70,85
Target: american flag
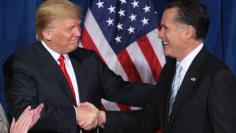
124,34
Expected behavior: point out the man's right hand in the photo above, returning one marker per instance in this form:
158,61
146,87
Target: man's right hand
87,116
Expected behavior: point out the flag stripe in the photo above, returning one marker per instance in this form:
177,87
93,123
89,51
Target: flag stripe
157,46
124,107
128,66
110,105
150,56
140,62
88,42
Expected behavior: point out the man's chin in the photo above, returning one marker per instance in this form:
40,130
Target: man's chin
74,48
166,53
74,45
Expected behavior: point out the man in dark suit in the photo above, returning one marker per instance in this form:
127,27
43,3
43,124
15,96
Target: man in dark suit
196,91
201,98
55,72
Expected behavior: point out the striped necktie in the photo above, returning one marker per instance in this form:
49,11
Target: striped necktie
175,86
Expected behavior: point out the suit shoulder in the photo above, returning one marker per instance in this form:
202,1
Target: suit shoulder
214,63
216,68
82,53
25,53
86,58
170,64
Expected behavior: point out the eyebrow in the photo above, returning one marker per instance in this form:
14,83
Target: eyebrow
163,26
71,26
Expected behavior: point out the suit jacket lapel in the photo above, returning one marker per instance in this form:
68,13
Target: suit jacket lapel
50,66
168,93
166,78
191,78
81,75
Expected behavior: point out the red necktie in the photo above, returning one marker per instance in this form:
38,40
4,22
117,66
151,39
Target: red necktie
63,69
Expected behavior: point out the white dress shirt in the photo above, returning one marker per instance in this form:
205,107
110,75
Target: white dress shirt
69,69
186,62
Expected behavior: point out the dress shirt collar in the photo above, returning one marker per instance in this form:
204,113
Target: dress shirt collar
54,54
186,62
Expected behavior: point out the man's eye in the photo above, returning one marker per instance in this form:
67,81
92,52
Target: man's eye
69,28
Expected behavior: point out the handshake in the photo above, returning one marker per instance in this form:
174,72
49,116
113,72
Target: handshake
88,116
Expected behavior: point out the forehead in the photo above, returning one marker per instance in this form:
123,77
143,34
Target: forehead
67,22
169,15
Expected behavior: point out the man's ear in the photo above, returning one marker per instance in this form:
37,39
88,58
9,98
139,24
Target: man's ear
47,34
190,32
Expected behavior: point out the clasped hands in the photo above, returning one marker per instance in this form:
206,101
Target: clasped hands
88,116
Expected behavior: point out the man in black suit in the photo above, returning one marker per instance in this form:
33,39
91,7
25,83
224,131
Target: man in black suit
196,91
55,72
204,100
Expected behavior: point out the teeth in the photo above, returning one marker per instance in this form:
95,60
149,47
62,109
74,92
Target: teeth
165,43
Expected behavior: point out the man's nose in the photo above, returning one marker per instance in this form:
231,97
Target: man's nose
78,31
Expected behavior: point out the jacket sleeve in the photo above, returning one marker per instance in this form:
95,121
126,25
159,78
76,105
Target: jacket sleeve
145,120
221,102
115,89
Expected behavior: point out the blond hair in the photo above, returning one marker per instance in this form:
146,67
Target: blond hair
51,10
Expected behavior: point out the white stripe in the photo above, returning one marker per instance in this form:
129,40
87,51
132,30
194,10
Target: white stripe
102,45
140,63
157,46
110,105
135,108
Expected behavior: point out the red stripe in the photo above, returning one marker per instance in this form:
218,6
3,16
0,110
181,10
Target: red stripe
88,43
128,66
158,131
150,56
123,107
102,107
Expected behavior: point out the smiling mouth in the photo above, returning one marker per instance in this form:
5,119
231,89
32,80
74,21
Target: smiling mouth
164,43
75,41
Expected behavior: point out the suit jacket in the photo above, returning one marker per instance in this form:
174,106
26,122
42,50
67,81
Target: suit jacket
4,125
32,77
145,120
205,102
